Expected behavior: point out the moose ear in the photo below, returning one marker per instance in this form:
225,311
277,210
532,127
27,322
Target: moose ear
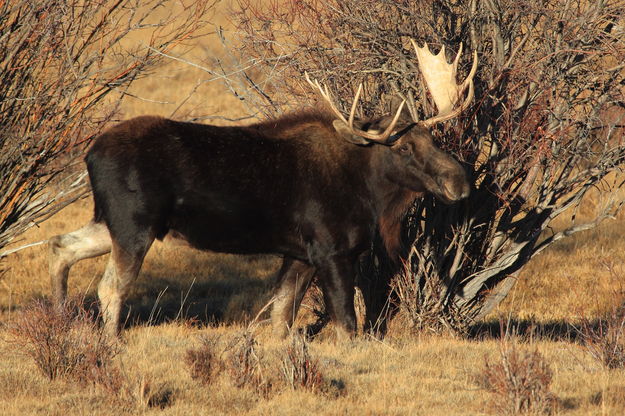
346,133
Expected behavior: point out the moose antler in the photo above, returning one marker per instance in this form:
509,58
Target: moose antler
380,138
440,78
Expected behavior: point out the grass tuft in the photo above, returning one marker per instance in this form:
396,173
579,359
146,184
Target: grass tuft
604,338
245,364
204,363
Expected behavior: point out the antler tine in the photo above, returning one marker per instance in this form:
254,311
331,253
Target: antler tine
444,117
457,58
469,79
440,78
379,138
354,104
387,133
326,96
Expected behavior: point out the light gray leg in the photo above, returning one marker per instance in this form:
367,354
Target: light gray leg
92,240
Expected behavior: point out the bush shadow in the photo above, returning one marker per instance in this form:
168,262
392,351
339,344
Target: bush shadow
555,330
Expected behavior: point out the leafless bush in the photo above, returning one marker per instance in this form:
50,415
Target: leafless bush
205,363
64,68
299,369
520,381
66,342
545,127
245,364
604,338
423,302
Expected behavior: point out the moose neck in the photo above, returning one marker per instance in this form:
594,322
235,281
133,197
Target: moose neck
391,200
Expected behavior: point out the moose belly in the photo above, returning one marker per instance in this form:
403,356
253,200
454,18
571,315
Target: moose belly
235,228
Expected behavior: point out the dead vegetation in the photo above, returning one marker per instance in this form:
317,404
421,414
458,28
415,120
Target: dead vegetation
520,377
520,381
604,337
247,366
65,67
407,373
606,342
205,363
246,363
299,368
65,342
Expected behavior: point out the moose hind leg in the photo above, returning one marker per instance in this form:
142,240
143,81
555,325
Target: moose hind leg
121,271
293,281
92,240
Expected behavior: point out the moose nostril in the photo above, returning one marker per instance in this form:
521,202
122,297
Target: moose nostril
466,191
464,188
455,187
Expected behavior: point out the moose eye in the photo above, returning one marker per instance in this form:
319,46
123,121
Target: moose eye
404,149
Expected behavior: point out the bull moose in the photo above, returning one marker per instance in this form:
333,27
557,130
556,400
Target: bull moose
313,187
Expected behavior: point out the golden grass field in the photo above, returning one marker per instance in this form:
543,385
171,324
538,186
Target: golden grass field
405,374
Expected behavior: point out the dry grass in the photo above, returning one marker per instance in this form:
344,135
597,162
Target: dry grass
205,363
183,293
299,369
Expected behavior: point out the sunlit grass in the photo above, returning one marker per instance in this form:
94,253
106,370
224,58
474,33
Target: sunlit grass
183,293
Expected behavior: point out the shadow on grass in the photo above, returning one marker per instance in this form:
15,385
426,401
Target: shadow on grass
202,303
229,292
227,289
559,330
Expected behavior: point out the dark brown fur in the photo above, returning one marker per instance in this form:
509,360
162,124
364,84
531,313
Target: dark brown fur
292,186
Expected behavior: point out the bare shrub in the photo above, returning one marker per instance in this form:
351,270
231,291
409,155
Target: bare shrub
66,342
65,66
604,338
544,129
245,364
422,303
299,369
205,363
519,380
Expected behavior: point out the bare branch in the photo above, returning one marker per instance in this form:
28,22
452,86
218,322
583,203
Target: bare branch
59,61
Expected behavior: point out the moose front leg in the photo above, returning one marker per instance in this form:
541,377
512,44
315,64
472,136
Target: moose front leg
293,280
336,277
